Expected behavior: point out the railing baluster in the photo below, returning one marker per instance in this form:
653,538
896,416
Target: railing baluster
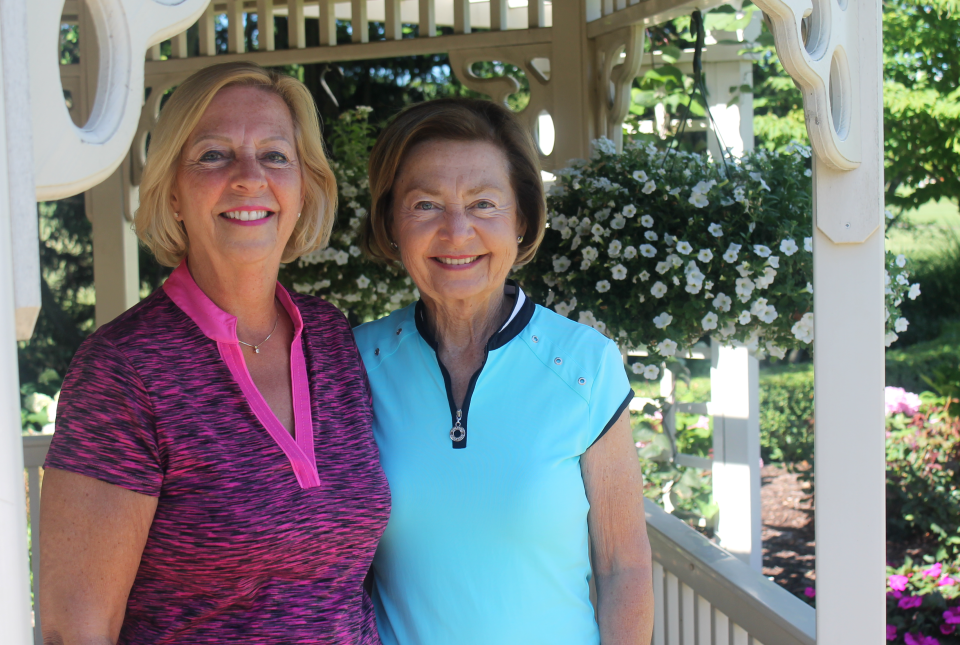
358,21
236,40
265,36
393,26
296,25
153,52
740,636
687,616
428,19
461,16
536,14
498,15
659,611
673,609
607,7
178,46
207,32
704,613
721,628
328,23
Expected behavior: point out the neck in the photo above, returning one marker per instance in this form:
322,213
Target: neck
469,323
246,292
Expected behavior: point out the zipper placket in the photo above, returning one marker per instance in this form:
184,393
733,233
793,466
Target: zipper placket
458,416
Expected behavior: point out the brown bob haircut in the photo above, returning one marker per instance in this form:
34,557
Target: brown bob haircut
454,119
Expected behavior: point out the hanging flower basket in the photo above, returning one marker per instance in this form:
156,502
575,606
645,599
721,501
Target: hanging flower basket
658,249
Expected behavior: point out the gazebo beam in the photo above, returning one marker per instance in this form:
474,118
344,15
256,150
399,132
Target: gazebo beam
647,13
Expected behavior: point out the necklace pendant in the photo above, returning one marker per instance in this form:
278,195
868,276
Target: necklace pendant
256,349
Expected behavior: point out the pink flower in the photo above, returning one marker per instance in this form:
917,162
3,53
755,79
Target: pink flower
702,422
896,399
810,592
920,639
946,581
933,571
897,582
947,629
910,602
894,594
952,616
891,632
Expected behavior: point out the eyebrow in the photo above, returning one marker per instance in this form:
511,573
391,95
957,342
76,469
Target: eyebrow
220,137
432,190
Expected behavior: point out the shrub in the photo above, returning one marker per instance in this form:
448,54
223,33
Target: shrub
907,366
940,306
922,607
786,414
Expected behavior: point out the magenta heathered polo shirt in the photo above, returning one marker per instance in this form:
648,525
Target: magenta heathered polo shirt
258,537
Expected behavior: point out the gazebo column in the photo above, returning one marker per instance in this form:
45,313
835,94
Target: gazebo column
572,79
17,212
734,123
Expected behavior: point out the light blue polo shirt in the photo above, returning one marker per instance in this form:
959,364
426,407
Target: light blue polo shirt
487,538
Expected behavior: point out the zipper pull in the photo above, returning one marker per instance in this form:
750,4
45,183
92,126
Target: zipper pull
458,433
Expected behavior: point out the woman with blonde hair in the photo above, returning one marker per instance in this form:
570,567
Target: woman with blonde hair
213,477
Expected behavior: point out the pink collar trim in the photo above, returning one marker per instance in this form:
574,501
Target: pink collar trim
215,323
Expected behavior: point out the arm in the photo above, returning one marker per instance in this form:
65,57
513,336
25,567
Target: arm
618,535
91,537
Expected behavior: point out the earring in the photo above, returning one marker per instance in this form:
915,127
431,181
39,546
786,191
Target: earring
298,215
519,239
176,216
394,246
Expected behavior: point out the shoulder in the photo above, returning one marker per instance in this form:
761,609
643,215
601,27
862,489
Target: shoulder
381,338
315,310
140,329
585,343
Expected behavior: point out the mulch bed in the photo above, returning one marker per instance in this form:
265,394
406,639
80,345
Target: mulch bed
788,529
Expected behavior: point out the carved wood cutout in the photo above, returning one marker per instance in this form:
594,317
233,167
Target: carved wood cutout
615,76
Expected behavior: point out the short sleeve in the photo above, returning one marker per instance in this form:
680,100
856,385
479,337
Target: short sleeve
105,425
611,392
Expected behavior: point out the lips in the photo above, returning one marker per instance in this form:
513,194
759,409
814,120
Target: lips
247,216
458,261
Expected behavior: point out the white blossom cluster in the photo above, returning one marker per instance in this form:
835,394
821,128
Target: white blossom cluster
657,249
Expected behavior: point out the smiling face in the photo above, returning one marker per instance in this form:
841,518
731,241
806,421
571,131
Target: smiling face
455,219
238,187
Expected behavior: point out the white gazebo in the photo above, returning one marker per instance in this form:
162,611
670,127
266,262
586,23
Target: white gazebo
580,57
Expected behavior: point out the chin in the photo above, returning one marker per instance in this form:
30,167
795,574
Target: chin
252,252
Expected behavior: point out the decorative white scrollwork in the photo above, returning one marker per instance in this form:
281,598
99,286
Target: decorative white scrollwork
615,74
818,45
531,60
70,159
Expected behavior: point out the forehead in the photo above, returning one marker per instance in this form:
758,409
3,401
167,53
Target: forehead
470,163
246,111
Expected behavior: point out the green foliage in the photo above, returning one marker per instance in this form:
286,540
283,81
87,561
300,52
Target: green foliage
939,276
920,598
923,476
907,366
786,414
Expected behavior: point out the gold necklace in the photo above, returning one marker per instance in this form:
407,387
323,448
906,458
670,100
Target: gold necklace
256,348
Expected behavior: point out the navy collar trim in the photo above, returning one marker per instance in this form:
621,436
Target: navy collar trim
520,317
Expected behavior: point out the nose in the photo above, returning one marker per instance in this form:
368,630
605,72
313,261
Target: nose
248,175
457,228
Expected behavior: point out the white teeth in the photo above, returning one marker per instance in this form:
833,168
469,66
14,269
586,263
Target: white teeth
247,216
458,261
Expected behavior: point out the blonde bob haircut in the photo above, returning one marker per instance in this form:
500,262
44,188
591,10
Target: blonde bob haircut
155,223
454,119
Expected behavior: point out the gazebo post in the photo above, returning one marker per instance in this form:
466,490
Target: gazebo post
14,571
848,268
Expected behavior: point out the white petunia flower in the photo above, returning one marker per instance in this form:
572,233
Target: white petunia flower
808,173
651,236
761,250
663,267
590,253
630,252
618,222
674,191
640,176
563,308
614,249
709,321
901,260
663,320
667,347
774,261
715,230
670,240
808,244
597,230
637,368
575,243
740,194
902,280
722,302
648,251
889,339
744,270
769,314
629,211
619,272
363,282
675,260
776,352
914,291
651,372
587,318
705,255
355,251
676,281
585,265
644,275
603,286
708,286
809,288
648,187
758,306
788,247
744,288
684,247
561,264
704,186
900,325
658,290
803,329
341,258
646,221
699,200
744,317
731,254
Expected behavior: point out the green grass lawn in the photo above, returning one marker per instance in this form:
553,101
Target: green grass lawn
923,232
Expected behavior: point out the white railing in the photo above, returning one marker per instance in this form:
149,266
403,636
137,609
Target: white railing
703,595
706,596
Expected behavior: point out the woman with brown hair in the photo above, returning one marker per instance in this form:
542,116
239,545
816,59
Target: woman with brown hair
503,427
